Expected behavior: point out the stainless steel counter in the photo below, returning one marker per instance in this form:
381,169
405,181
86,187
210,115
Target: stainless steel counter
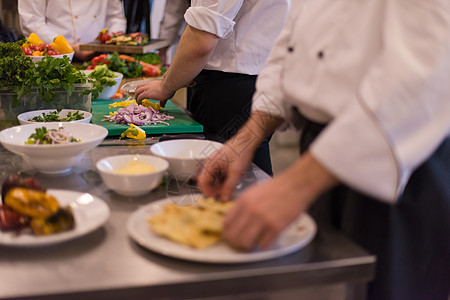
107,264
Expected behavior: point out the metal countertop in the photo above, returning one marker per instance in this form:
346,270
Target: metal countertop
107,264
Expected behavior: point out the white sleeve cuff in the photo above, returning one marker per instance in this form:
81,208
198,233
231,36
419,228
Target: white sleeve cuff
210,21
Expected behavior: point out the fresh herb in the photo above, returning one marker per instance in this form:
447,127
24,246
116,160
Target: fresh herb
13,65
52,136
54,117
20,75
39,135
150,58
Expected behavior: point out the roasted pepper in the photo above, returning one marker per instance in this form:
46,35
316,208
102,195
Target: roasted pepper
31,203
134,132
61,45
34,39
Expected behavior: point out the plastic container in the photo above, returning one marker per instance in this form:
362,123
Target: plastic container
33,101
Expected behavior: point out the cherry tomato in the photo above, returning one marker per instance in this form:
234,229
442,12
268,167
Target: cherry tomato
27,50
11,220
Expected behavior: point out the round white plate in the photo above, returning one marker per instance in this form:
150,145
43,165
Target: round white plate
90,212
293,238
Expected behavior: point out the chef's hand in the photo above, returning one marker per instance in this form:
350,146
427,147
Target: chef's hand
152,90
263,210
82,55
222,171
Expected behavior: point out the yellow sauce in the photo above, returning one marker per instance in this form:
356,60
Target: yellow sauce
136,167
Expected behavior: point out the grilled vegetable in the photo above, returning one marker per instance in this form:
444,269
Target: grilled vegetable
62,220
31,203
14,181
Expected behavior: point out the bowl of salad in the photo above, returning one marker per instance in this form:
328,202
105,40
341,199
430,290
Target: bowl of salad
106,81
54,115
54,147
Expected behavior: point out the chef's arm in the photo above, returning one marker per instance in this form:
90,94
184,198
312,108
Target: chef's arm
193,52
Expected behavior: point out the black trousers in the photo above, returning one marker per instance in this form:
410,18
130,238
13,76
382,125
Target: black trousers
410,239
221,102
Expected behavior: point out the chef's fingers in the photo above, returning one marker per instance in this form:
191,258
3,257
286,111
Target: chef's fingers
233,175
267,238
208,181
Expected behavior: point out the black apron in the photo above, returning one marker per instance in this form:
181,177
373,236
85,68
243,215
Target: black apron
221,102
410,239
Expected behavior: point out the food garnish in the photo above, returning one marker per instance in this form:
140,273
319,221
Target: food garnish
53,136
198,226
53,116
27,205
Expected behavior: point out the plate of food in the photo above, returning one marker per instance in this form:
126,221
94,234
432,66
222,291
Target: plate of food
193,232
31,216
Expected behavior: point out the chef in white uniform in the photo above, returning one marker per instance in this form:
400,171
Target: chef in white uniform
78,21
369,84
222,50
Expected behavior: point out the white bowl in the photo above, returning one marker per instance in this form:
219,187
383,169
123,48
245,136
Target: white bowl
25,118
53,159
35,59
109,91
131,184
185,156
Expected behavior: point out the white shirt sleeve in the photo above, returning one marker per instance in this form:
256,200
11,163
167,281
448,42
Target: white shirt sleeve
32,19
402,111
215,17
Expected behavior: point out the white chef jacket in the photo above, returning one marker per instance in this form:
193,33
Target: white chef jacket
246,28
78,21
378,72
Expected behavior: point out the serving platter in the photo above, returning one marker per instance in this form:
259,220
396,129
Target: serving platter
90,212
298,235
153,45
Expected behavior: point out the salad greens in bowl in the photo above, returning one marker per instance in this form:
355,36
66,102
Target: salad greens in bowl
53,147
54,115
106,81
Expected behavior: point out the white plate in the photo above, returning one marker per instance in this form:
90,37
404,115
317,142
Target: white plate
89,211
293,238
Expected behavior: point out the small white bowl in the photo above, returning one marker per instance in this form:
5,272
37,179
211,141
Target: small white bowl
25,118
131,184
185,156
109,91
35,59
57,158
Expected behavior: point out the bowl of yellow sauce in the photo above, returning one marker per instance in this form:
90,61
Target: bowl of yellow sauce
132,175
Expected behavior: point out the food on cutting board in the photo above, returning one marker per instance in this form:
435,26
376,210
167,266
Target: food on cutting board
130,112
120,38
26,205
44,136
198,226
134,132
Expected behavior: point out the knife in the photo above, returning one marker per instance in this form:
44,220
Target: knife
131,87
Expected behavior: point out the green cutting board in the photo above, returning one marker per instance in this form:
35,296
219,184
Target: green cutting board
181,123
